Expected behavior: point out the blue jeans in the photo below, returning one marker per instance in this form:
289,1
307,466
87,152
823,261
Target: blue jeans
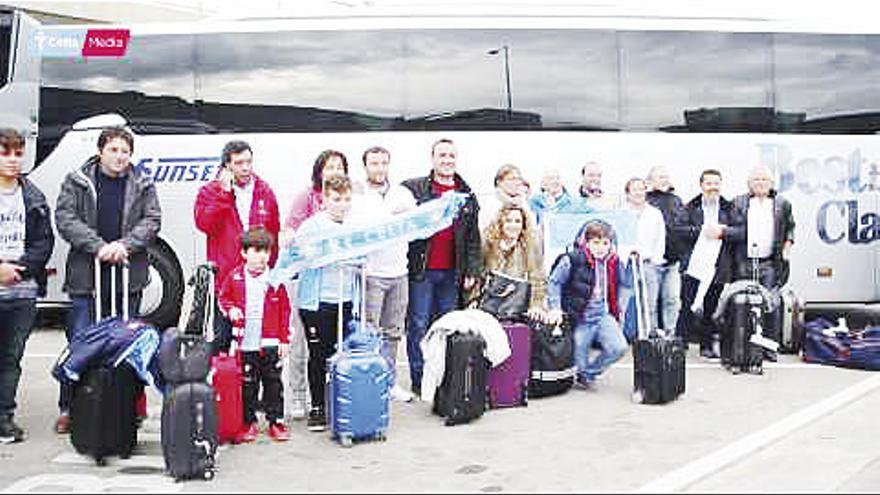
669,292
429,299
604,330
81,315
17,316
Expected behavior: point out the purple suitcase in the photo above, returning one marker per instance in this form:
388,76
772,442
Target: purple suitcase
508,382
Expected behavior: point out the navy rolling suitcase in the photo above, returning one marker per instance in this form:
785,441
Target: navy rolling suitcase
189,413
359,381
189,431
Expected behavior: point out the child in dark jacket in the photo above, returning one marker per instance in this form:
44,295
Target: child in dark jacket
584,285
261,313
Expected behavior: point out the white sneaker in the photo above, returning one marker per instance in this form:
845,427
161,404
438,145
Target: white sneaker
400,394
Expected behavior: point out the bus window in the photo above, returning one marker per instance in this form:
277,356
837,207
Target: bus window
696,81
301,81
152,87
561,79
830,79
6,20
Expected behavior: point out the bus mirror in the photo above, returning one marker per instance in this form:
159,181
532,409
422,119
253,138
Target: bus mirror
100,122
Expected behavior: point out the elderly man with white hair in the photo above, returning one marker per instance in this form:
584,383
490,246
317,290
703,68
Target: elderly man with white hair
769,237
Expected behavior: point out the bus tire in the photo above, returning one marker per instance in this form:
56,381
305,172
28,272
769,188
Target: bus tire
162,298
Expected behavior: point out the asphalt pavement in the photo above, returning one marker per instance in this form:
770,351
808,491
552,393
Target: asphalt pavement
796,428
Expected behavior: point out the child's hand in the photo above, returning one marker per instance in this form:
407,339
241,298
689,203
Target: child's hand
235,315
282,350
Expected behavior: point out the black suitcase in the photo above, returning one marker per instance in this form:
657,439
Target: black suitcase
462,396
658,360
738,353
552,362
189,431
659,375
102,413
184,358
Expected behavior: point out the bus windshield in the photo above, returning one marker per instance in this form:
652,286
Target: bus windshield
5,46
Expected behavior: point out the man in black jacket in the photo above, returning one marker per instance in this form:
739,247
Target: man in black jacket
769,227
106,210
662,196
449,260
26,243
708,228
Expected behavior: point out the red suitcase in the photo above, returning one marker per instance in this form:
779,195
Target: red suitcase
508,382
226,380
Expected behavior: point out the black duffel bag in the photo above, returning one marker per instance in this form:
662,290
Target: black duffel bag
552,365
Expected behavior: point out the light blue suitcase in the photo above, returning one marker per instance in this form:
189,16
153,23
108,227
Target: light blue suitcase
359,381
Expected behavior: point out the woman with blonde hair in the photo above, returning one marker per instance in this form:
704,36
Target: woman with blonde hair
512,257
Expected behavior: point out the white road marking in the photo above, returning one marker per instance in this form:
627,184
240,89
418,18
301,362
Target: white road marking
689,474
86,483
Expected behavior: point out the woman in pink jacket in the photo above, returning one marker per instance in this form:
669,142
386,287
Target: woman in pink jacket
308,202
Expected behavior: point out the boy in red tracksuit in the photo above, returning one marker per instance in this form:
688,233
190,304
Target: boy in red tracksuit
261,313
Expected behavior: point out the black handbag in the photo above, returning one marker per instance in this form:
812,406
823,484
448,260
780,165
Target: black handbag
505,297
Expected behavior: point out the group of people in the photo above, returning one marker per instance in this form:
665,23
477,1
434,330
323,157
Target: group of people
106,210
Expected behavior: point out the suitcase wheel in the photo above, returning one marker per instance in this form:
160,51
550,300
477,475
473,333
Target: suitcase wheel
101,461
346,441
209,474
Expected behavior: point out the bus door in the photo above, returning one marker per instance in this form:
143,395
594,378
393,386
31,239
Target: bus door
20,77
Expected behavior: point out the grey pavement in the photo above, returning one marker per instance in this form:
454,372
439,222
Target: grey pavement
722,436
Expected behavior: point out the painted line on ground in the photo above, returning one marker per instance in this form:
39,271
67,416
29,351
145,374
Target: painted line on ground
140,461
689,474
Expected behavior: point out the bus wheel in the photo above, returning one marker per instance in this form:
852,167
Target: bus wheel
160,304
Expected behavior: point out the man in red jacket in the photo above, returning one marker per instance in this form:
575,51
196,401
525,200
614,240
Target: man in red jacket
235,201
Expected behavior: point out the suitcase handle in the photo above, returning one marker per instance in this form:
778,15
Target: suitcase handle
362,303
642,316
126,282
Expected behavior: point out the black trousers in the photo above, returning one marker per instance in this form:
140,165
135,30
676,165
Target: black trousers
262,367
698,327
321,333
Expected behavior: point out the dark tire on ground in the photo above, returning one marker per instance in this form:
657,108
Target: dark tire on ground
164,271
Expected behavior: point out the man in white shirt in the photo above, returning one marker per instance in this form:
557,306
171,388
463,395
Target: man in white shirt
387,288
769,238
651,240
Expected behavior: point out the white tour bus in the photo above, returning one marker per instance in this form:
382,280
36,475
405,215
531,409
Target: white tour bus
537,89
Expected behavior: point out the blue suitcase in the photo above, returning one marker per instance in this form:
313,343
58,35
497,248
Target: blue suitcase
359,381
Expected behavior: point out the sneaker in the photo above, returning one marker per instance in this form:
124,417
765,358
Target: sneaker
250,433
317,421
417,390
10,432
586,384
62,424
278,432
400,394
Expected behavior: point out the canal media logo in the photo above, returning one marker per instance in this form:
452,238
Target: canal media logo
79,43
105,43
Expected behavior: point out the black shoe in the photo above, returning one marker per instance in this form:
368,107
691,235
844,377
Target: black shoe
417,390
10,432
317,421
770,356
710,355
